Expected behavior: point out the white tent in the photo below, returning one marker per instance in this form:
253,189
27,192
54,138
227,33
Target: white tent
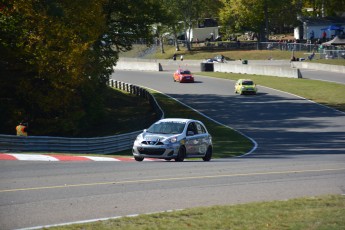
335,41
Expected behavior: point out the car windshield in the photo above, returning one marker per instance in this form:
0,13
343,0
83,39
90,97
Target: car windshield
185,72
167,127
247,83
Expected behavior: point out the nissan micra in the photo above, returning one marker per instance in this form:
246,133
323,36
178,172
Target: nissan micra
174,138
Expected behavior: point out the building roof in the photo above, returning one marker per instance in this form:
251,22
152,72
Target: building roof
326,21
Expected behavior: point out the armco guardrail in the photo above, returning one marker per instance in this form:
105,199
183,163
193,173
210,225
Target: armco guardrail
101,145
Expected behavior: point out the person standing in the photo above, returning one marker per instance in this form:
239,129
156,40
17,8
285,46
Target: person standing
22,129
324,36
311,37
181,58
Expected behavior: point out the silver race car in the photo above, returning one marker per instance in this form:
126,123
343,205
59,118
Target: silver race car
174,138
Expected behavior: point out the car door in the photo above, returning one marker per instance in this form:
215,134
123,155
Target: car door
202,137
191,139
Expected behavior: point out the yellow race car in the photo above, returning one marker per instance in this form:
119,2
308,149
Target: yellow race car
245,86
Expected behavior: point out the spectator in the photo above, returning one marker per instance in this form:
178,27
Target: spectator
310,57
324,36
311,37
22,129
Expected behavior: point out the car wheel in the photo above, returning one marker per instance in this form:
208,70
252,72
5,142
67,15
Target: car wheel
139,158
181,154
208,154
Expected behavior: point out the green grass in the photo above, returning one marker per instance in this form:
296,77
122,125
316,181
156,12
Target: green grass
198,53
324,212
326,93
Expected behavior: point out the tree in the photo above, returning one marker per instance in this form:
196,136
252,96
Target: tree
188,12
57,55
259,16
324,8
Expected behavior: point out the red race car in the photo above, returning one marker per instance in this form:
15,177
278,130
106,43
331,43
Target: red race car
183,76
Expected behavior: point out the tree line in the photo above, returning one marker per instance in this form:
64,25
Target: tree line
56,56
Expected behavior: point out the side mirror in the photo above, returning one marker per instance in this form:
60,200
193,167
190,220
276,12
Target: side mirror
190,133
144,131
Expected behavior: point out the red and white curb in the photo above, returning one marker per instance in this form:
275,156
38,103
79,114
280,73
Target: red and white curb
53,157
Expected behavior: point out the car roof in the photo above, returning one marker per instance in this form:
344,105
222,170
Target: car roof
177,119
245,80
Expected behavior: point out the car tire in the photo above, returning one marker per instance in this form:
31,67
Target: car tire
208,155
139,158
181,154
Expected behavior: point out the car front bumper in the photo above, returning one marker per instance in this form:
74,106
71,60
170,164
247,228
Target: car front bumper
169,151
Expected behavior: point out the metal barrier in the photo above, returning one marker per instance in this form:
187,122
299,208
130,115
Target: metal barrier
101,145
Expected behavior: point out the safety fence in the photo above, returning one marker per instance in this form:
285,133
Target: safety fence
99,145
323,52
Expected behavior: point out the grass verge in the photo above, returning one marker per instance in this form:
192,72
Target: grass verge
198,53
323,212
326,93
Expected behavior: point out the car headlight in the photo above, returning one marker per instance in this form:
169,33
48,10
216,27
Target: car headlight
173,140
138,138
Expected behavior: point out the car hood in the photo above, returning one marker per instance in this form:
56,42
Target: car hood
156,136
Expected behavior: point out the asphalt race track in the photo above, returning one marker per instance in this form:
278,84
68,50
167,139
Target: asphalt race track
282,124
301,152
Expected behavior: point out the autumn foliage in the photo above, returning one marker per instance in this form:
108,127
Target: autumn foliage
56,57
